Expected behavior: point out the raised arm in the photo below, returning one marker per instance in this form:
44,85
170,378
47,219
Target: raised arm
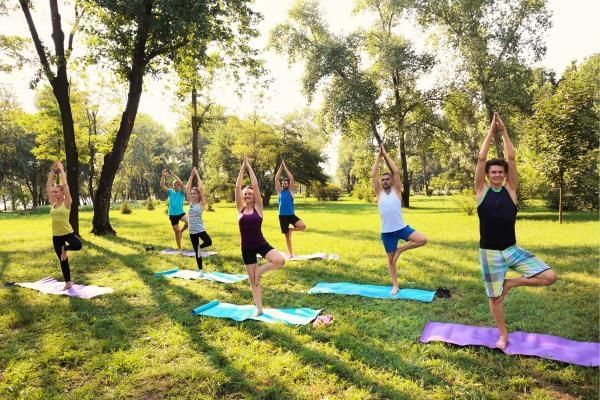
258,203
177,178
50,182
162,180
512,180
394,170
63,181
200,189
375,174
290,177
278,178
188,186
239,199
480,169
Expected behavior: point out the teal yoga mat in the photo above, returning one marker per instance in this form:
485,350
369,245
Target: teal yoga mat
292,316
374,291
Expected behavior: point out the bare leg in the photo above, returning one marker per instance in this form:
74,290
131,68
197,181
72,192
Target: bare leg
546,278
177,236
497,309
416,239
274,261
288,242
391,264
255,287
185,225
299,226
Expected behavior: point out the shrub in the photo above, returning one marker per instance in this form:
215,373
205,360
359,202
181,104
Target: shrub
363,191
125,209
150,204
465,201
329,192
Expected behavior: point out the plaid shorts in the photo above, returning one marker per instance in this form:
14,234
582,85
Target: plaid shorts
495,264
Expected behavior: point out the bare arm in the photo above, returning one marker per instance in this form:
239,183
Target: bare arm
512,180
239,200
200,189
188,187
375,173
394,169
50,183
291,178
278,178
177,178
162,180
483,152
258,203
65,185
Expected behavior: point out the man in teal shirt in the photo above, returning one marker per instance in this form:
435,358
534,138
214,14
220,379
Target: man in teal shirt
286,187
176,197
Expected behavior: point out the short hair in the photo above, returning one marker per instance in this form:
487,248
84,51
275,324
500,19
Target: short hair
62,189
387,173
285,179
496,161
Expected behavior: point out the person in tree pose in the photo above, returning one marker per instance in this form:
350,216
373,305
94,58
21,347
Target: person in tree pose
197,201
250,216
286,188
388,189
497,211
63,236
176,213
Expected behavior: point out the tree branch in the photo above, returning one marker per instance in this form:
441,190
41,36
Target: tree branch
39,47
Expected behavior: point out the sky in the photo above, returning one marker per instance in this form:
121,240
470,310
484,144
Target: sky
571,37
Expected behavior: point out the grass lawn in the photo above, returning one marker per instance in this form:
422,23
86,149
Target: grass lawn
142,342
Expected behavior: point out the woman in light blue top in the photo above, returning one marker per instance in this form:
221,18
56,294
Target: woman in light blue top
197,200
176,197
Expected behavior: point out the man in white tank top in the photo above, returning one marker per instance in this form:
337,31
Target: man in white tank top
388,189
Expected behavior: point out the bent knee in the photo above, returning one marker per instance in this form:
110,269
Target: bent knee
280,262
551,277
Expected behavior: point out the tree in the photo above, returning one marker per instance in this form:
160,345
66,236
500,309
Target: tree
495,39
146,36
564,128
350,94
396,67
59,81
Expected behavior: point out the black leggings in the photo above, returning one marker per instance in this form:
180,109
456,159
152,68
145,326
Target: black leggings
74,244
206,241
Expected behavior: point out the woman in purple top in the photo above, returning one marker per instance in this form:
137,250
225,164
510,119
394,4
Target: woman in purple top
250,215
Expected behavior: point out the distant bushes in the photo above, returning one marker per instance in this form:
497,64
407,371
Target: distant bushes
125,209
328,192
465,201
364,191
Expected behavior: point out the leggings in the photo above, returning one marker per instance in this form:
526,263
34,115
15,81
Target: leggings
206,241
74,244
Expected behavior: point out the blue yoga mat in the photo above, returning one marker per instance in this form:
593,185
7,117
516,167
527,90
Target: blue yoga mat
374,291
292,316
222,277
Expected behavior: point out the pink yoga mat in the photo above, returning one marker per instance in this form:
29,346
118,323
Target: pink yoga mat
52,286
550,347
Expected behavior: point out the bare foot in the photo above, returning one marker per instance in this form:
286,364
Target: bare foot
68,285
394,291
258,313
63,253
502,342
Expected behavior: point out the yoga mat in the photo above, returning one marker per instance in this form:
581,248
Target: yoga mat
292,316
304,257
208,276
374,291
550,347
188,253
52,286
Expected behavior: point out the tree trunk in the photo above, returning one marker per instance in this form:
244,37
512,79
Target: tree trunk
112,160
560,197
195,128
92,131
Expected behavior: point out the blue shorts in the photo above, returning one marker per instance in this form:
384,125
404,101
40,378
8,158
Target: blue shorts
390,239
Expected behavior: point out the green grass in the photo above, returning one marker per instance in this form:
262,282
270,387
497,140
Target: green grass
142,342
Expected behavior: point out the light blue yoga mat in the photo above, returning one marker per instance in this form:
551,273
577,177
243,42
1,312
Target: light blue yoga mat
375,291
292,316
222,277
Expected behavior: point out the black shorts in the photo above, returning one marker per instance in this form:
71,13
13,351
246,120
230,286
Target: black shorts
286,220
176,218
249,255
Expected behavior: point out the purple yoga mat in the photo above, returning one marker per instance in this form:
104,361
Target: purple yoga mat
52,286
555,348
